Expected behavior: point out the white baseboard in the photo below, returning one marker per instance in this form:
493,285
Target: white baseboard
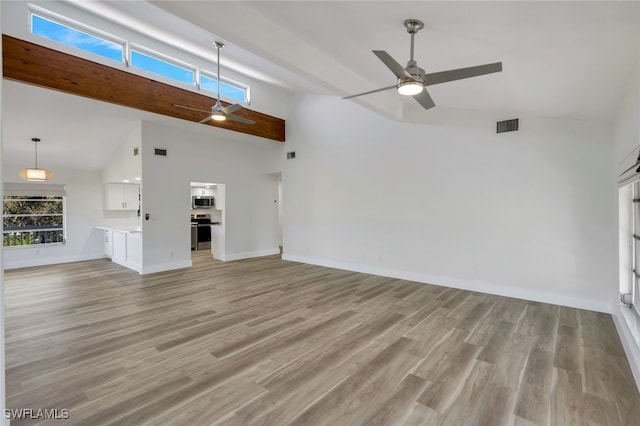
152,269
28,262
130,265
628,326
249,254
572,301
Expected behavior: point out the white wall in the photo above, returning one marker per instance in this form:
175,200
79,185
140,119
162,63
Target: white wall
524,214
626,139
124,166
240,162
83,212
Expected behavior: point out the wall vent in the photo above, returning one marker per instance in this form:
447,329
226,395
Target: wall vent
160,151
507,126
291,154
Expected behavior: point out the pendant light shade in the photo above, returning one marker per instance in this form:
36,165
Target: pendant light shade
35,174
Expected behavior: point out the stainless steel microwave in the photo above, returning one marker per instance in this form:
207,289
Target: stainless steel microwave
203,202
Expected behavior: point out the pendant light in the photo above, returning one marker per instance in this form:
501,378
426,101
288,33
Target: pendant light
36,174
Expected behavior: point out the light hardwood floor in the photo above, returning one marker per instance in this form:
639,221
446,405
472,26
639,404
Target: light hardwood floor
264,341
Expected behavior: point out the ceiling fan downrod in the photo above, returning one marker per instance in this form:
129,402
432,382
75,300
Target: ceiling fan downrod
413,26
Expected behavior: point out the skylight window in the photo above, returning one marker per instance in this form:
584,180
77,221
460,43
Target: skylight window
64,34
228,90
161,67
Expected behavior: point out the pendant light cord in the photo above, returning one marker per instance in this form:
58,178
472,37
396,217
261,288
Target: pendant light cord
35,141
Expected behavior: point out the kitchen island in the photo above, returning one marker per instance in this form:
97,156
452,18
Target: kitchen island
123,244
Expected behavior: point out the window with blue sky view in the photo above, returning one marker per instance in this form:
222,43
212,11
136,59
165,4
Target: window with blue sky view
210,85
72,37
160,67
56,31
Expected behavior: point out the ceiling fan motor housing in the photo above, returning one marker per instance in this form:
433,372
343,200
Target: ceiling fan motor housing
413,25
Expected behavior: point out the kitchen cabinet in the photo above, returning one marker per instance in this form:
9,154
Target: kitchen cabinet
207,192
108,242
123,245
122,196
218,247
127,249
119,247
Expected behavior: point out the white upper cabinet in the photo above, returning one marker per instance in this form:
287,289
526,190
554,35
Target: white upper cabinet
122,196
207,192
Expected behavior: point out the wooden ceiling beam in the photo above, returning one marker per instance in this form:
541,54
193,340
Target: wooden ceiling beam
40,66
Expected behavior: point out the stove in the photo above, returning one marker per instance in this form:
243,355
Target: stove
200,231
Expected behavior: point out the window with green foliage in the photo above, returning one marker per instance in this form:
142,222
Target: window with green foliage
30,220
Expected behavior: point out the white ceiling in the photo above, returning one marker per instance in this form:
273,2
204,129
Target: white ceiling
560,59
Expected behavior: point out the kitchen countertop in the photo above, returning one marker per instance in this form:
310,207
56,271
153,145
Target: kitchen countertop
127,229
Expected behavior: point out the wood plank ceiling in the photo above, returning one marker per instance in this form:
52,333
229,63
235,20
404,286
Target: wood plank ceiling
40,66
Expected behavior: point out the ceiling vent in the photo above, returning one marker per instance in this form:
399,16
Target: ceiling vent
507,126
160,151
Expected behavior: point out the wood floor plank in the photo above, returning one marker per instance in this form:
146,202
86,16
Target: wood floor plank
395,408
268,342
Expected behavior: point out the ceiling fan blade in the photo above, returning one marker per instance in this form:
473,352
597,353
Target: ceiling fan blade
204,120
371,91
397,69
192,109
424,99
239,119
460,73
231,109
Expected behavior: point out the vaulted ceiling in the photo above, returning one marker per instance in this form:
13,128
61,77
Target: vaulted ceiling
560,59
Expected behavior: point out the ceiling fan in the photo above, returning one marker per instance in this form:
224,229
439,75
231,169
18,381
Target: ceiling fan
412,80
218,112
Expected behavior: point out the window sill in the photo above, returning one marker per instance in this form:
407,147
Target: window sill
32,246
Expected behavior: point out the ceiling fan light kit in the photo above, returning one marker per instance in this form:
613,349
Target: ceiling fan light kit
409,87
218,116
36,174
413,81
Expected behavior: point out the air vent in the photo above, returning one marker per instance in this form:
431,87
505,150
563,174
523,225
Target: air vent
291,154
160,151
507,126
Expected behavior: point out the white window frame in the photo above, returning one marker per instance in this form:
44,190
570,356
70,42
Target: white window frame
26,246
164,58
127,49
78,26
212,75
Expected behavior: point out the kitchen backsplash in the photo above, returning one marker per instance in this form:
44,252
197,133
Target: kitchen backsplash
117,218
216,215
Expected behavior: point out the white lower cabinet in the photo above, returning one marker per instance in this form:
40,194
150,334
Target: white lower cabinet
119,247
127,249
108,242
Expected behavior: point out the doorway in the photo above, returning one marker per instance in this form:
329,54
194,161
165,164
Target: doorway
207,219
